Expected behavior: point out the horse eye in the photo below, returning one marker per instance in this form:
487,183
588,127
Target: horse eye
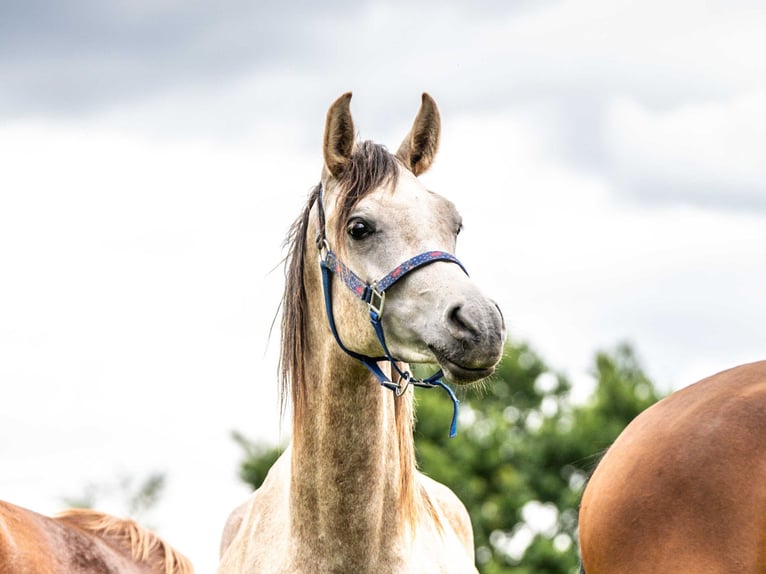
359,229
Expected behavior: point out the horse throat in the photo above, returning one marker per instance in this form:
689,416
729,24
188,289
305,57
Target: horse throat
352,494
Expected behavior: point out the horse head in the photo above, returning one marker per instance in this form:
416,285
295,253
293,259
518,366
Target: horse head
375,212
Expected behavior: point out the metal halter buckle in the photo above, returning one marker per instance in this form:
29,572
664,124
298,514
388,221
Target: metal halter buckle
377,298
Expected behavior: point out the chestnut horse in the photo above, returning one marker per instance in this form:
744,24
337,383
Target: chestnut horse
81,542
346,496
683,488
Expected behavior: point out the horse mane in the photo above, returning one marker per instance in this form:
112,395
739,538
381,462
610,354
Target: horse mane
371,165
413,495
142,544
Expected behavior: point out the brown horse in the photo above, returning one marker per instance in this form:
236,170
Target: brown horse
683,488
347,496
81,542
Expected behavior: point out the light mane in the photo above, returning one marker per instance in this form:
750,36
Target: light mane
143,545
413,495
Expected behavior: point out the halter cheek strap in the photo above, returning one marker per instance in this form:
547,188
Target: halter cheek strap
374,294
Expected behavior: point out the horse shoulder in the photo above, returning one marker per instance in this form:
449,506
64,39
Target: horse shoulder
451,511
233,524
258,527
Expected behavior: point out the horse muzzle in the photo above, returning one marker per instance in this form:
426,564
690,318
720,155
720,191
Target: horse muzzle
472,343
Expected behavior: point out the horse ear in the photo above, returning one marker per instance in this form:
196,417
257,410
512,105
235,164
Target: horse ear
338,135
419,147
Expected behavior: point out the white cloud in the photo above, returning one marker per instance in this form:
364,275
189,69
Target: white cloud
681,47
701,152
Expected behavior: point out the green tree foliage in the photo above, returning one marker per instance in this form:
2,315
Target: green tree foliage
522,455
525,451
258,459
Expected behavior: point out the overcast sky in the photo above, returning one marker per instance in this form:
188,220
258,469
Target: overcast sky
607,156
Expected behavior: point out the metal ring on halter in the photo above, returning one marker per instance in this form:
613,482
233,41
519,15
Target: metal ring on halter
400,390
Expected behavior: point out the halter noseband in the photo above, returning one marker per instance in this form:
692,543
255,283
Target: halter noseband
374,295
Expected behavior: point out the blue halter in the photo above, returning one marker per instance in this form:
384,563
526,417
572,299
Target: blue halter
374,295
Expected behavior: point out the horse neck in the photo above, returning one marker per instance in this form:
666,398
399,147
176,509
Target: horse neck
353,465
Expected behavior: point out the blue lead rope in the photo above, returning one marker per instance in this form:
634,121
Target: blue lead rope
439,383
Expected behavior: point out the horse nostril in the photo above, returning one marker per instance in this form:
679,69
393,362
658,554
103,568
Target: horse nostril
460,324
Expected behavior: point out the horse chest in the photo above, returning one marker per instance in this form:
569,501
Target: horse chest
290,557
267,544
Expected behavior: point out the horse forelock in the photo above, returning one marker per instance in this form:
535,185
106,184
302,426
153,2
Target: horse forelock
371,166
142,545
